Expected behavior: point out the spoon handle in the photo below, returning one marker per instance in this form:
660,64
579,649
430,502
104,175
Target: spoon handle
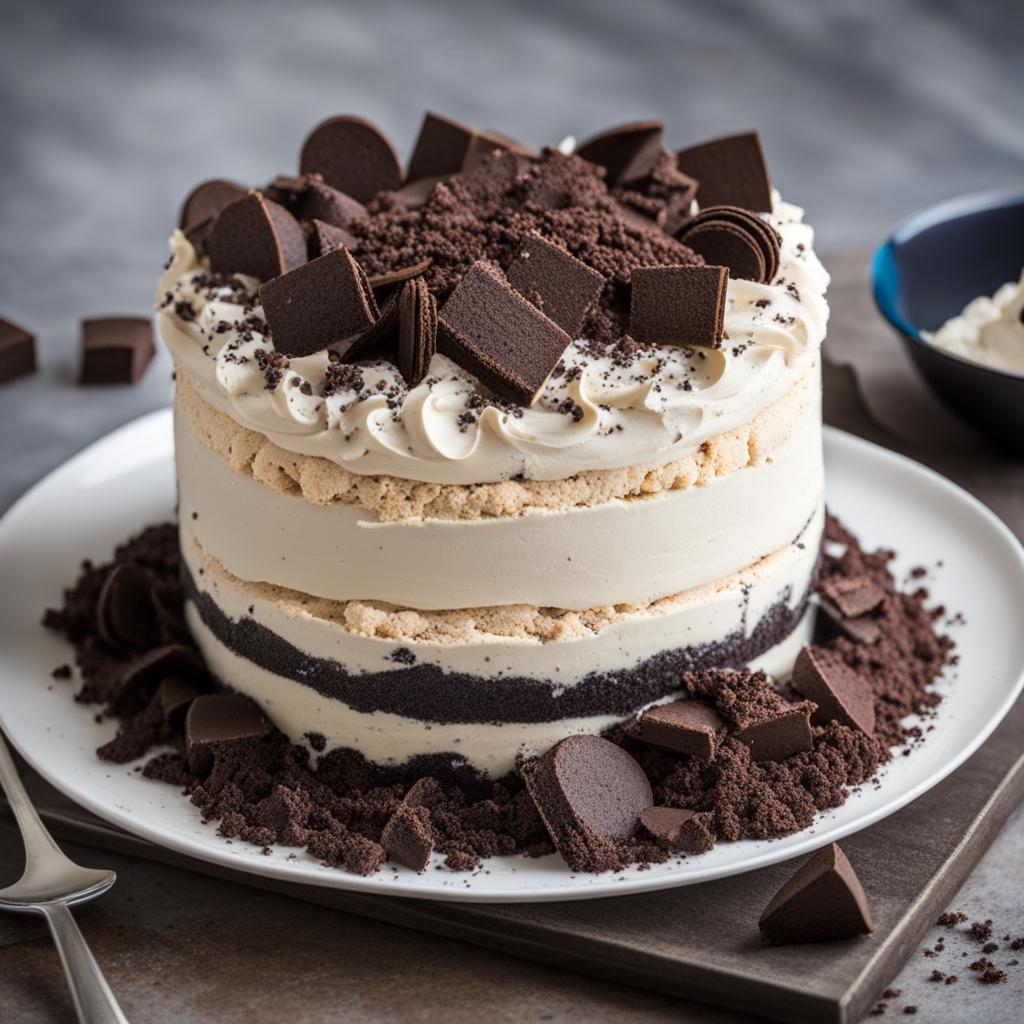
38,842
94,1002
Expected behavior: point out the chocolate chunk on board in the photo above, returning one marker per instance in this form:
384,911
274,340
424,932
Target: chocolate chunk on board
680,305
256,236
417,330
322,238
407,837
17,351
558,284
678,830
491,330
823,901
206,200
685,726
217,719
626,152
325,301
125,614
353,156
842,696
853,596
728,235
116,349
589,793
445,147
780,735
730,170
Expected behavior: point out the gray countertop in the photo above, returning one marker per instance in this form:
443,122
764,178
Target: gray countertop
112,110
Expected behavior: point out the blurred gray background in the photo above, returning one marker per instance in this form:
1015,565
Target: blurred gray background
112,109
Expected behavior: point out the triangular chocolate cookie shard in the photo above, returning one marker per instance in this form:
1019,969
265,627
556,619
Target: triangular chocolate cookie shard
823,901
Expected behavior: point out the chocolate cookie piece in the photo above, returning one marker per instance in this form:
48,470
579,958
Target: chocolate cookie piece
116,349
823,901
206,200
626,152
558,284
730,236
685,726
445,147
504,340
683,305
730,170
853,596
678,830
322,238
407,838
17,351
256,236
319,201
217,720
382,284
125,615
417,330
173,696
842,696
324,301
830,623
589,793
780,735
141,677
353,156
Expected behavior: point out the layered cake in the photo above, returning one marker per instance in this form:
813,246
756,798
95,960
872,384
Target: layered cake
486,452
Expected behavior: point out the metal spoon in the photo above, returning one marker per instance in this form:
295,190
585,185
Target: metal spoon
50,885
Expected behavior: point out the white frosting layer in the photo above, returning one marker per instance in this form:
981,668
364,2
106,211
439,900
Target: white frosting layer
645,412
989,331
700,616
619,552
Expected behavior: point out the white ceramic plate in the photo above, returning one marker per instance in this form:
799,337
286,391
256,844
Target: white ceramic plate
126,481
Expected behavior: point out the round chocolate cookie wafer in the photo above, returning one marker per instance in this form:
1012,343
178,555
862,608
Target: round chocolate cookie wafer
206,201
735,238
589,793
353,156
125,615
417,330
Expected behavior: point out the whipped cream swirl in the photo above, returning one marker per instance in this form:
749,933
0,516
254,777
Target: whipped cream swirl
603,408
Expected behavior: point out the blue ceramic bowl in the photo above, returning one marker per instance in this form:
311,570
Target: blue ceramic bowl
931,267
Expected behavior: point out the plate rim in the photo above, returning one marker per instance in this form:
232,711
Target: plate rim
614,884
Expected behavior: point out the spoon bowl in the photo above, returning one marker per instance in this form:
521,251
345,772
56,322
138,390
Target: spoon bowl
927,271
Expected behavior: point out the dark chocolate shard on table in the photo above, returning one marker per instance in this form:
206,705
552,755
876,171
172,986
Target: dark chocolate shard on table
731,170
17,351
116,349
822,902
